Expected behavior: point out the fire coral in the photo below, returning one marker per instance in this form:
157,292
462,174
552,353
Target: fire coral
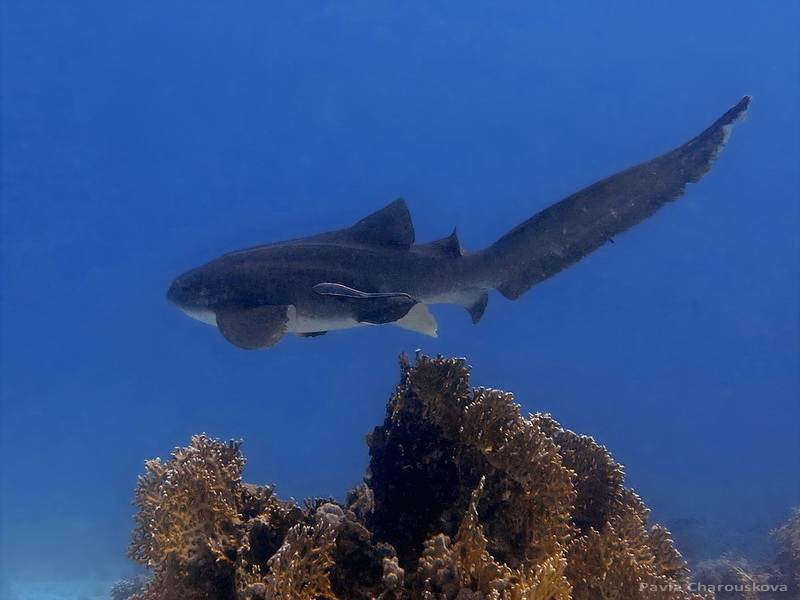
464,499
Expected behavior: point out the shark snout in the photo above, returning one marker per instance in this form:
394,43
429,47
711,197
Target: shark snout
188,292
179,292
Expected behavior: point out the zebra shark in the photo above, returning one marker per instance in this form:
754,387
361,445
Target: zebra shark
373,273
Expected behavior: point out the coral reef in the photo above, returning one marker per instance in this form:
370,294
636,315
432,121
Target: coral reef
464,499
125,588
788,560
733,577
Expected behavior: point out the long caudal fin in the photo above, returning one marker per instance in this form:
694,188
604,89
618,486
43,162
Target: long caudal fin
564,233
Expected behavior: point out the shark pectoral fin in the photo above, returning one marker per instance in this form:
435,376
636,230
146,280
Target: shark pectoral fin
255,328
338,289
420,319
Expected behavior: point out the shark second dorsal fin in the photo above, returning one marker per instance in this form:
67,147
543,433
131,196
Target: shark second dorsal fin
448,246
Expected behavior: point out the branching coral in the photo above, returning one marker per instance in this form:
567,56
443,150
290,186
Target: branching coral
188,521
449,569
549,496
189,505
465,499
299,569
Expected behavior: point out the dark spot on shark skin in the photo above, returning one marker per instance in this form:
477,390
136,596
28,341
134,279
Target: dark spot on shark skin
373,272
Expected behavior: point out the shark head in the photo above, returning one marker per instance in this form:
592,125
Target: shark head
211,294
190,293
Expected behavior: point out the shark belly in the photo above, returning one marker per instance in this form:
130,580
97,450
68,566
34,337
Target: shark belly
205,316
417,319
307,324
459,297
297,324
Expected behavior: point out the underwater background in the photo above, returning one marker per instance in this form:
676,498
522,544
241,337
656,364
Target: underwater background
141,139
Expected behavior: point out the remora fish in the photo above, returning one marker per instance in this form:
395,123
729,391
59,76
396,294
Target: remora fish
373,273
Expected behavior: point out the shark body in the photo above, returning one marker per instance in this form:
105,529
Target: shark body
373,273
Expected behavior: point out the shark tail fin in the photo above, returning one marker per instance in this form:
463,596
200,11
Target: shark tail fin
567,231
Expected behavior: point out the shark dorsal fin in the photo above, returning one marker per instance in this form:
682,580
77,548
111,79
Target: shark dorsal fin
390,226
447,246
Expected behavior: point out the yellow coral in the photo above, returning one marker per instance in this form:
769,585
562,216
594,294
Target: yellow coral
188,507
465,499
299,569
478,571
550,509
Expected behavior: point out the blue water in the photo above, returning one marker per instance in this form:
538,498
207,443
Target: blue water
140,139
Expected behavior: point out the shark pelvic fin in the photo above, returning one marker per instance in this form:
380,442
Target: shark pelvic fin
419,319
255,328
